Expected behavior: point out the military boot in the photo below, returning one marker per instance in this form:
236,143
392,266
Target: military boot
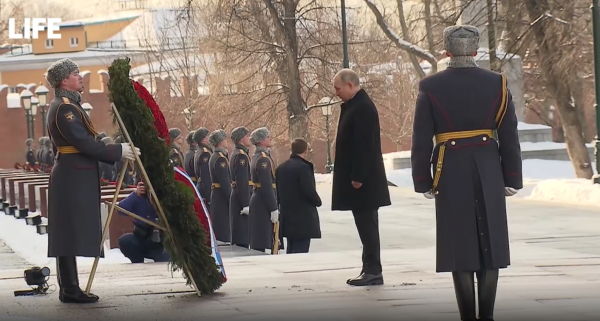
68,281
464,287
487,284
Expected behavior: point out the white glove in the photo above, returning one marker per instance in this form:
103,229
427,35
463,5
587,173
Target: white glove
275,216
429,195
509,191
245,210
127,152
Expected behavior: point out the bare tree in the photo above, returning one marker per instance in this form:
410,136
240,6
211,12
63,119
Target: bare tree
550,35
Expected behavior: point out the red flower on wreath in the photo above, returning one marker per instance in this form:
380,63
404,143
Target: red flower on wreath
159,118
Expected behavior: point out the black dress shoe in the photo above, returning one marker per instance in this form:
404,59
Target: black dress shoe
366,279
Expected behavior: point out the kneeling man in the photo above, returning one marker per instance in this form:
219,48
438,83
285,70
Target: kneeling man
146,241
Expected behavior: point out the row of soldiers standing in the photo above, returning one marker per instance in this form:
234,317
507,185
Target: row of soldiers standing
43,157
238,189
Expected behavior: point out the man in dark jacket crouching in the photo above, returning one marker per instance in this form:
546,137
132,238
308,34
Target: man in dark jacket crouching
146,241
298,199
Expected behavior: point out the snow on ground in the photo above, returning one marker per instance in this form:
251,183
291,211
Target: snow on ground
543,180
32,247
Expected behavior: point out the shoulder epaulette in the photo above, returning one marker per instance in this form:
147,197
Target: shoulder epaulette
204,149
221,154
242,151
263,154
66,100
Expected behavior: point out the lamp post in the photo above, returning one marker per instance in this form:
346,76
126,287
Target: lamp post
34,106
88,108
326,109
596,33
42,95
344,35
26,103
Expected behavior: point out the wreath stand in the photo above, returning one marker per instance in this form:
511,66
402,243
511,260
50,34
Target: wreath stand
113,205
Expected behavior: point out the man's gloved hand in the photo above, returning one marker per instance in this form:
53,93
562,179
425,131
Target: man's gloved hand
509,191
275,216
429,195
128,153
245,210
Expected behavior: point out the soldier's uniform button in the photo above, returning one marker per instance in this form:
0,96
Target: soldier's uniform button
484,139
453,143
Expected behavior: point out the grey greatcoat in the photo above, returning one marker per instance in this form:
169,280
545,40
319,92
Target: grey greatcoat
475,168
240,195
202,171
188,163
220,194
74,223
263,201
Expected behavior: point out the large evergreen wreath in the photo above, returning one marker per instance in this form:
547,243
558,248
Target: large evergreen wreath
188,247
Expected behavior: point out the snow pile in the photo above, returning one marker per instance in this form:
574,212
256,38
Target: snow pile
569,191
32,247
323,178
543,180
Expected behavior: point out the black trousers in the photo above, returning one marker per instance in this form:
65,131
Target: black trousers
297,245
367,224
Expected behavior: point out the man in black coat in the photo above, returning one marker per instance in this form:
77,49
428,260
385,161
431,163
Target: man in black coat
477,164
298,199
359,180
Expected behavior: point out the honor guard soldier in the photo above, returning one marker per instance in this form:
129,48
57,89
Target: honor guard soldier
40,150
476,165
48,155
221,185
175,154
29,154
264,210
188,159
74,220
129,179
201,168
239,205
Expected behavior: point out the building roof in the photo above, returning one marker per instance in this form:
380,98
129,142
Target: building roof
159,28
152,29
25,59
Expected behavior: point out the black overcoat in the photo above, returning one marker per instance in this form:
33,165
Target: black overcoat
220,194
298,199
74,222
358,158
240,195
470,204
263,200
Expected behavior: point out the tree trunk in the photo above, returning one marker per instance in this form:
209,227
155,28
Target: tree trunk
429,28
298,119
550,53
491,30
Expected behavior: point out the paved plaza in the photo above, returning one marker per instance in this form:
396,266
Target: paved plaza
555,275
